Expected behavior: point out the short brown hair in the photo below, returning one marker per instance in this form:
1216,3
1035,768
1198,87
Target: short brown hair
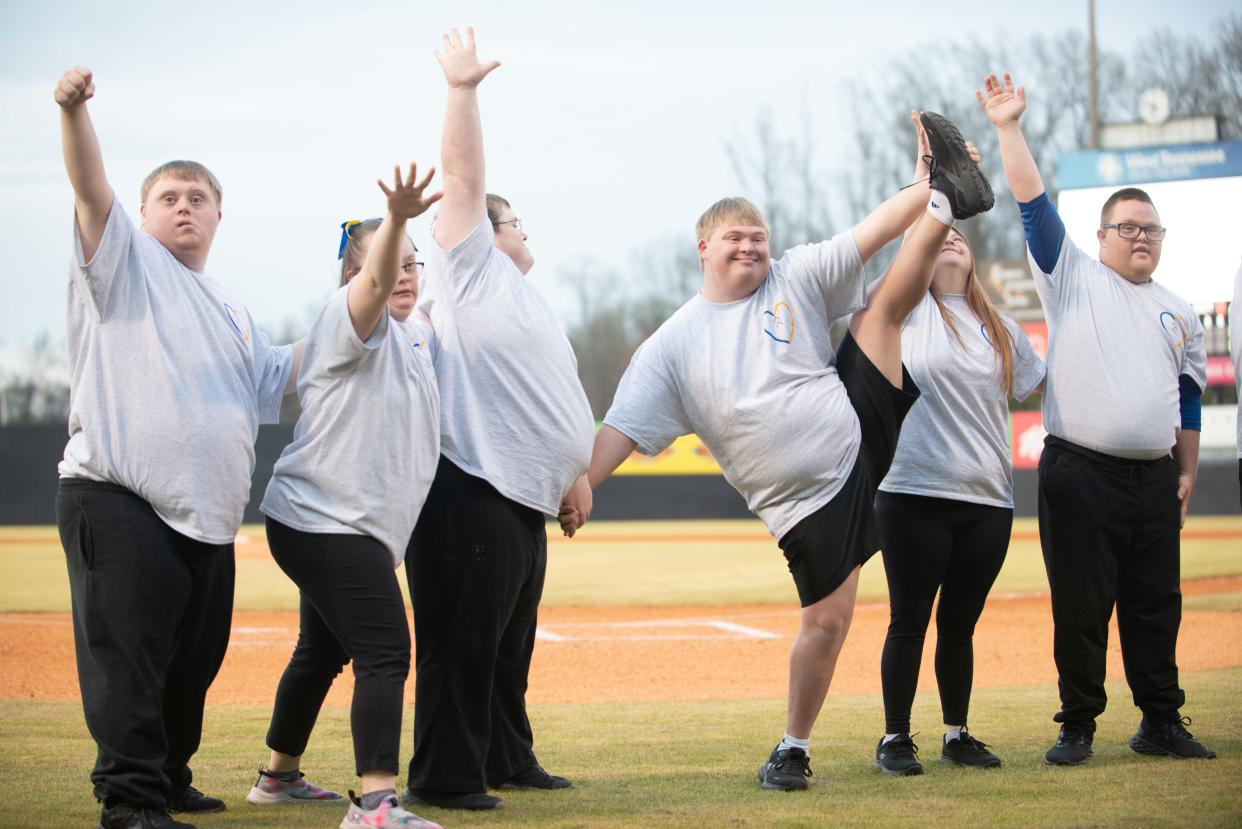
185,171
731,210
1124,194
495,206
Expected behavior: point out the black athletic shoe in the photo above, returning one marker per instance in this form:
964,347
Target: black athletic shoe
1073,746
1170,739
952,170
899,756
787,769
192,800
126,816
535,778
474,801
967,751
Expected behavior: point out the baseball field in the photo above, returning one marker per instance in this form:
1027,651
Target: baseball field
658,685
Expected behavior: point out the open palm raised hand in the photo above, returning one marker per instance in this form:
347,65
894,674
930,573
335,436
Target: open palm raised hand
406,199
1002,103
460,63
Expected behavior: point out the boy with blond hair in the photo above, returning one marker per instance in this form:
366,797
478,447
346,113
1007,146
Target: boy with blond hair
803,431
169,382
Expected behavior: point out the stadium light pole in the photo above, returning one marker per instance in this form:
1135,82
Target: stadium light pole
1093,112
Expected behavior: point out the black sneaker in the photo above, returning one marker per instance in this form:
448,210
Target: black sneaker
899,756
535,778
1073,746
192,800
127,816
952,170
473,801
787,769
1170,739
967,751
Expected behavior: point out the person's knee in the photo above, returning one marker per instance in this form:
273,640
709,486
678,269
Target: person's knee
826,623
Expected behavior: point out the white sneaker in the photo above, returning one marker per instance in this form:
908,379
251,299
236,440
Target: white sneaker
388,815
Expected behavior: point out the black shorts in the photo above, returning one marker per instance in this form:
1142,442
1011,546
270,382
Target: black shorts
825,547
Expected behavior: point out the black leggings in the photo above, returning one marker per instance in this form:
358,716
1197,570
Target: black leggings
351,607
932,544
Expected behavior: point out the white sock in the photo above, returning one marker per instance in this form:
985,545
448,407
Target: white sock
888,738
953,732
790,741
938,206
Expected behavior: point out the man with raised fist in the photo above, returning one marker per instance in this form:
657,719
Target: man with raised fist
170,379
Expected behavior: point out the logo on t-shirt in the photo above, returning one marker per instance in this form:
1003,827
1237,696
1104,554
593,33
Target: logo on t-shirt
1173,328
778,323
238,322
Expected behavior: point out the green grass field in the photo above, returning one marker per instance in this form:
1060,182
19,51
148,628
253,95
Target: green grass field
686,764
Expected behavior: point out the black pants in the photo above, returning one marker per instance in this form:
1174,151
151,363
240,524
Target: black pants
932,544
476,566
151,616
1109,531
351,608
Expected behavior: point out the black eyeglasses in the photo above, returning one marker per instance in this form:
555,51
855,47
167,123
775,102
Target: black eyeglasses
1130,231
412,267
517,224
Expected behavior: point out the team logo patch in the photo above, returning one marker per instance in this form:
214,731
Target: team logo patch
237,320
779,323
1173,328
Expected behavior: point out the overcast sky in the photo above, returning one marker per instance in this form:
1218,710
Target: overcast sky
604,125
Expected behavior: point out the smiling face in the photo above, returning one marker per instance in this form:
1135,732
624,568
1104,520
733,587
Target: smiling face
1134,259
735,260
182,215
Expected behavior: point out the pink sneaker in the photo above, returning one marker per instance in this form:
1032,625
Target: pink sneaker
268,789
388,815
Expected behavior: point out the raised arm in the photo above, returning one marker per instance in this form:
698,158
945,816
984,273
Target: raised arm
611,448
895,216
370,289
92,195
1004,107
461,148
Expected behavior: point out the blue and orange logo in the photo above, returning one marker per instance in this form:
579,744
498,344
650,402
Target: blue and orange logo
778,323
238,322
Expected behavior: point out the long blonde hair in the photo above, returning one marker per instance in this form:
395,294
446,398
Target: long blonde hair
981,306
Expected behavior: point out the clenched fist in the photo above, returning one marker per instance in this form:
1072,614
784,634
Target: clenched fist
75,87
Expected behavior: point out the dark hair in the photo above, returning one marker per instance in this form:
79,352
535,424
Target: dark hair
1124,194
354,255
495,206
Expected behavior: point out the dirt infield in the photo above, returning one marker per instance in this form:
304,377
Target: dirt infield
628,654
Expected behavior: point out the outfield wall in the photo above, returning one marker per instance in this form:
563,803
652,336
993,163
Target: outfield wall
29,454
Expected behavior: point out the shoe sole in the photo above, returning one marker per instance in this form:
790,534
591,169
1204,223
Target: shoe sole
258,797
913,771
795,786
941,131
949,761
1142,746
1051,762
415,800
518,787
211,811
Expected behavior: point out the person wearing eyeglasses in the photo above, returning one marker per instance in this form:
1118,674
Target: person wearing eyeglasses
341,506
516,433
1122,407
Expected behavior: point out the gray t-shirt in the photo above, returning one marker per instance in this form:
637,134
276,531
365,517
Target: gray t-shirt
365,448
1115,352
755,379
954,441
169,381
513,411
